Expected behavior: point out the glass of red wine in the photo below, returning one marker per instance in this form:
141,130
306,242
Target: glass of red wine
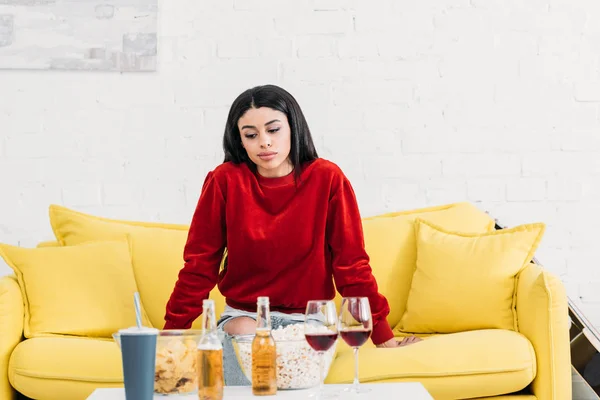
355,327
320,330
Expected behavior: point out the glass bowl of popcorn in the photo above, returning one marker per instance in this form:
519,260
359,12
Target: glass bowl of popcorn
297,363
176,369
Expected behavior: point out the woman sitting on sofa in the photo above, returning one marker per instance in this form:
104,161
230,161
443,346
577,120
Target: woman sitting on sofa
290,223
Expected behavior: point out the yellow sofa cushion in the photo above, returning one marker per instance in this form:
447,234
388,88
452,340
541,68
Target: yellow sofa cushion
157,251
450,366
82,290
390,244
59,368
467,281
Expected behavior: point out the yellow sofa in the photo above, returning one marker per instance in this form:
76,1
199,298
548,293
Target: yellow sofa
531,361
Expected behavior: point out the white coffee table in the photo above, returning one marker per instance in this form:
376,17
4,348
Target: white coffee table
408,391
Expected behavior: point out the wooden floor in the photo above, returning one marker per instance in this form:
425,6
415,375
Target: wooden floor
581,390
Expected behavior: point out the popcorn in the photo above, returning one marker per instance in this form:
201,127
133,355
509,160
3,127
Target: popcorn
176,366
297,363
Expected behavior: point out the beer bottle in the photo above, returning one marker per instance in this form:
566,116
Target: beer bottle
264,354
210,356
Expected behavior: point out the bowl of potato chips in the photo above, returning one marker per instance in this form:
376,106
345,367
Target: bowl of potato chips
176,370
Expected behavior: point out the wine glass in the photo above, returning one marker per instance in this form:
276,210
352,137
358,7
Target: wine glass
355,327
320,331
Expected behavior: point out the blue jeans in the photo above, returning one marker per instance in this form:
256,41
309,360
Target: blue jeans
232,372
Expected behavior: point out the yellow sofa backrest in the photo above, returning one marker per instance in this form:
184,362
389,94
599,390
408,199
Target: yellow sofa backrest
158,250
390,244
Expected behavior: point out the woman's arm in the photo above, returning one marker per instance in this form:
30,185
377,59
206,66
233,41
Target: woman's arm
351,270
202,255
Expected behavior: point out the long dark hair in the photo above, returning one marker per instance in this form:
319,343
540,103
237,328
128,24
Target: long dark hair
302,148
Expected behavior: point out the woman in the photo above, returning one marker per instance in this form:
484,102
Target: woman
289,220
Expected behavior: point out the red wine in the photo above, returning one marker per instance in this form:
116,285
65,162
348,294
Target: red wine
321,341
355,338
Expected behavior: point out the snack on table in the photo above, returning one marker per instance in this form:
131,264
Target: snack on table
176,366
297,363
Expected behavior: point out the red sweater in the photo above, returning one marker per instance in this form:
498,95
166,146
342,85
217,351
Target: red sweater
285,242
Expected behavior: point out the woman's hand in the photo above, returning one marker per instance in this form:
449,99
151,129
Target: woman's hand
404,342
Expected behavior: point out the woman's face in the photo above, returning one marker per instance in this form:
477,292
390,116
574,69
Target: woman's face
266,137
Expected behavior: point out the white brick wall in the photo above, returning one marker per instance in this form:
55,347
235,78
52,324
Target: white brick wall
421,103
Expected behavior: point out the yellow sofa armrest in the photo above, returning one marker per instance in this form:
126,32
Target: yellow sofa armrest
11,321
543,317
